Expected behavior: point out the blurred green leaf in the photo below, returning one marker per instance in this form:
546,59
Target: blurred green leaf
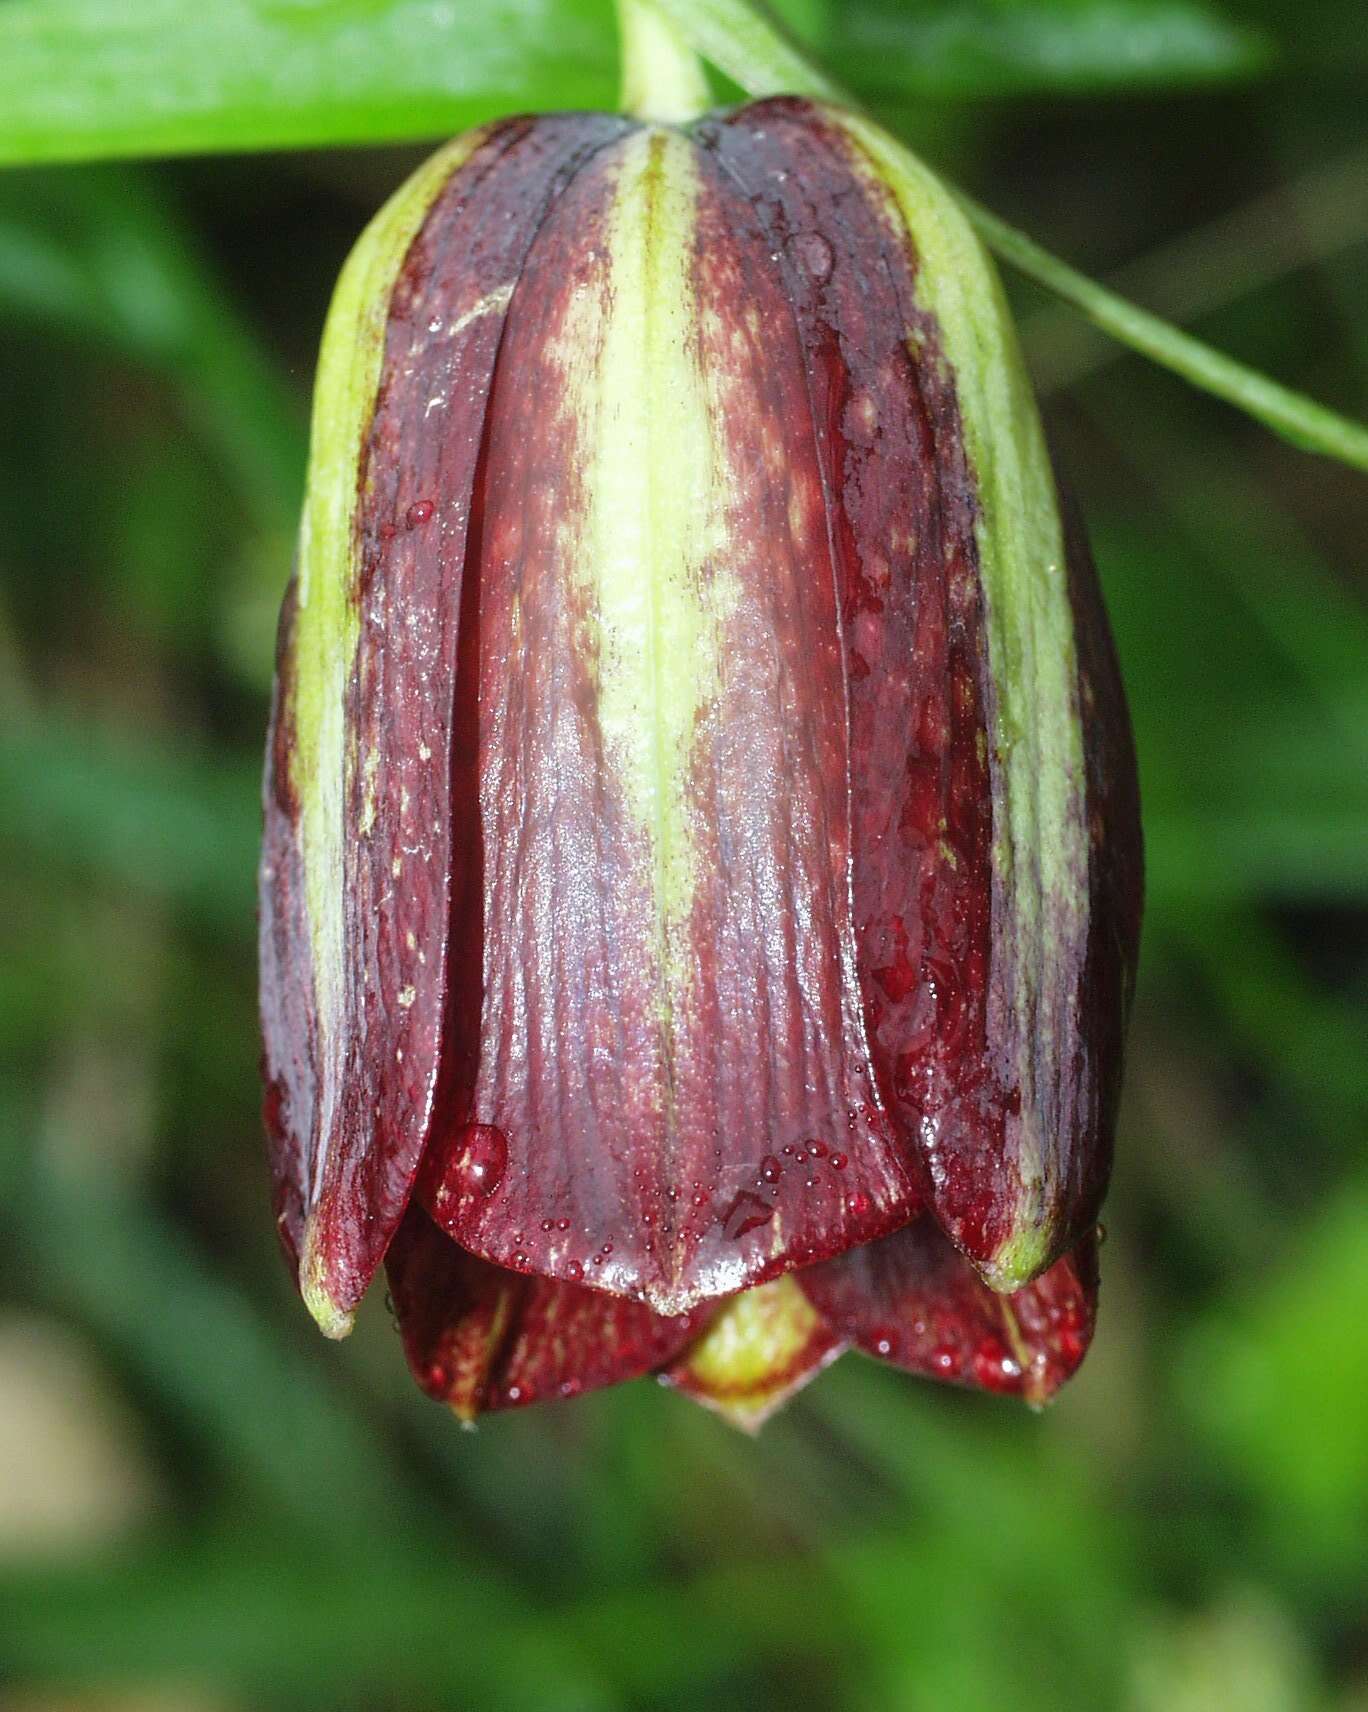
166,823
1245,1652
86,78
994,47
1279,1387
101,256
80,79
298,1627
93,1248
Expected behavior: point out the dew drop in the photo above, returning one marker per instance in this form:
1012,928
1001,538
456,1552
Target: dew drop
418,513
574,1271
770,1169
481,1158
839,1162
945,1361
994,1368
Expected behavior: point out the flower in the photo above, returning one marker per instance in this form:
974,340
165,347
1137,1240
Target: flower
701,877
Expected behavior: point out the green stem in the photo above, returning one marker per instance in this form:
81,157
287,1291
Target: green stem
1297,418
662,77
741,41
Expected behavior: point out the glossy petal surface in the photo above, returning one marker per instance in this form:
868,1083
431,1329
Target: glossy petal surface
701,816
479,1338
912,1300
992,962
667,1032
360,830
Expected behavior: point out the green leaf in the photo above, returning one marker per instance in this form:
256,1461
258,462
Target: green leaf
93,1249
997,47
84,79
175,824
1278,1385
81,79
101,257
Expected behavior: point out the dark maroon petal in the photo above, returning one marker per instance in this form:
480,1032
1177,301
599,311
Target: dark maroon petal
351,1037
479,1338
1106,981
655,1009
912,1300
994,1003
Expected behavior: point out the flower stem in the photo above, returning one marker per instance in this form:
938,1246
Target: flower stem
738,37
662,77
1297,418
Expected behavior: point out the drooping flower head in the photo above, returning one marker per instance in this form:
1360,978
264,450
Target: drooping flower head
701,879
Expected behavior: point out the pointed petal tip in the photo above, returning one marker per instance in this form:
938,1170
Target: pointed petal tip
762,1347
332,1319
746,1420
1030,1250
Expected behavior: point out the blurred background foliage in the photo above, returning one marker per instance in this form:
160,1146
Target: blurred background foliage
202,1505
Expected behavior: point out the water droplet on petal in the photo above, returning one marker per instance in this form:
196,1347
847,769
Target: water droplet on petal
479,1162
994,1367
945,1361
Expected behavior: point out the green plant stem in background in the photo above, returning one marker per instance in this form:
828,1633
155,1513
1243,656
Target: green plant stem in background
1289,229
1297,418
741,41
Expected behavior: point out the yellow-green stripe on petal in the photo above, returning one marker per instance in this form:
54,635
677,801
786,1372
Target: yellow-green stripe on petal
327,627
1040,839
359,843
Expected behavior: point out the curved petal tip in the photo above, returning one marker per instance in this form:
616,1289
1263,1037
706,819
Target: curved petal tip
333,1320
